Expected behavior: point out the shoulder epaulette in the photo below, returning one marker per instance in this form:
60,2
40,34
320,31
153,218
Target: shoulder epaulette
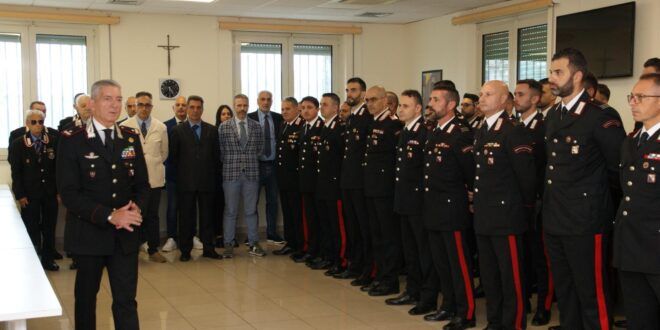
415,127
580,108
297,122
498,124
319,123
533,124
451,128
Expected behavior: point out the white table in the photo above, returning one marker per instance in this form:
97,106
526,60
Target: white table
25,291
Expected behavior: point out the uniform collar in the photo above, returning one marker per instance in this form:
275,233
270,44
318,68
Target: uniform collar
492,119
329,121
572,102
650,131
442,127
357,108
412,123
529,119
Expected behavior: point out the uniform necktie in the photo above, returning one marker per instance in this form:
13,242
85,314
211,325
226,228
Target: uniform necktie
196,131
642,139
143,129
267,137
307,128
564,111
108,139
243,136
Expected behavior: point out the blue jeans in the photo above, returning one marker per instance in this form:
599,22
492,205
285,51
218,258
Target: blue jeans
234,190
268,179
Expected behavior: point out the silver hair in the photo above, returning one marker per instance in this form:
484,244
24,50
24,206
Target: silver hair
31,112
75,102
96,87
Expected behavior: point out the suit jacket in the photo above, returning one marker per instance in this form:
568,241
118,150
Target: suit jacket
155,147
32,171
170,168
637,228
287,156
408,195
448,176
277,124
380,156
197,161
330,152
505,178
93,182
355,144
583,150
236,160
308,156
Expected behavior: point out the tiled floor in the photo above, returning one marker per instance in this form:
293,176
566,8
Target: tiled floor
241,293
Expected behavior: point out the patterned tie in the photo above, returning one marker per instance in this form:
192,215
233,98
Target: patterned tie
108,139
243,137
196,131
267,137
143,128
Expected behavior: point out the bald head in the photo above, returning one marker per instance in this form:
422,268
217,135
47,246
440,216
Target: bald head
376,98
493,97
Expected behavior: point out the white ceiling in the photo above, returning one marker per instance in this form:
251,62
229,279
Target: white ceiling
404,11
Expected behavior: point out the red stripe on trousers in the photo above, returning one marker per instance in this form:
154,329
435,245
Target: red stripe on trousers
551,284
600,294
466,276
516,281
342,234
304,223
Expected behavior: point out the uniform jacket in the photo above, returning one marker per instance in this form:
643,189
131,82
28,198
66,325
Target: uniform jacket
197,161
536,127
583,151
93,182
408,196
380,156
32,171
355,142
505,178
330,155
287,155
308,145
236,160
448,176
20,132
637,228
155,147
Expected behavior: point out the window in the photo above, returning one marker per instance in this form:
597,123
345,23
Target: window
285,65
533,52
496,56
11,82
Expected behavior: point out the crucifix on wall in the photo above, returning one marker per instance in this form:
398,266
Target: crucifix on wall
169,48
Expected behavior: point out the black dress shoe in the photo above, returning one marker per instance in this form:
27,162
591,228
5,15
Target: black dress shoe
283,251
459,323
368,287
57,256
296,254
73,265
323,264
334,270
384,290
555,327
346,274
422,309
362,281
402,299
211,254
479,292
184,257
313,261
542,317
304,258
50,266
621,323
440,315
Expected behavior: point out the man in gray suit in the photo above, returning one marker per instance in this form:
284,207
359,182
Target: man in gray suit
241,144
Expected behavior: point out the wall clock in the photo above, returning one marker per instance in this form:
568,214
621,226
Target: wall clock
169,88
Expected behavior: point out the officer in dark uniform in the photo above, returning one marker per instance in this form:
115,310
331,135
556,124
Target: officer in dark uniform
81,105
21,131
526,97
504,197
310,136
287,177
33,183
360,253
583,147
448,177
379,164
102,179
470,111
421,281
328,202
636,252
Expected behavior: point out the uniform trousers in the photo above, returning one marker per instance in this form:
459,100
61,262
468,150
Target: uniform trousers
40,219
642,299
292,219
422,280
385,227
360,252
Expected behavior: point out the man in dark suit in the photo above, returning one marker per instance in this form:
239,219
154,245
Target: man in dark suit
583,146
241,144
270,123
81,105
179,107
21,131
287,177
636,252
504,196
102,179
33,183
194,150
379,164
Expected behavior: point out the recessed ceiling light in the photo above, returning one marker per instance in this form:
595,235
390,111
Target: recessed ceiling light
373,14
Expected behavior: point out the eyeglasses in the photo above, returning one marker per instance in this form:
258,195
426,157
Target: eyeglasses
34,122
638,97
145,105
466,104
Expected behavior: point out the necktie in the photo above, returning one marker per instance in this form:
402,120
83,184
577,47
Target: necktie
563,112
307,128
143,128
196,131
243,136
267,137
37,145
108,139
642,139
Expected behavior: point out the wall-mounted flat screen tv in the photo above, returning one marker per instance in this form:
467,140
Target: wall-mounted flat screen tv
606,37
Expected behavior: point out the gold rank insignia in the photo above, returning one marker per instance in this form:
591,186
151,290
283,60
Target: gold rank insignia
568,139
131,139
645,165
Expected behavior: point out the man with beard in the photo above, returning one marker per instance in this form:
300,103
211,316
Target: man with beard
548,100
430,119
469,110
583,144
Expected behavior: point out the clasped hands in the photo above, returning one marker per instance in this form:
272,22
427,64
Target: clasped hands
127,216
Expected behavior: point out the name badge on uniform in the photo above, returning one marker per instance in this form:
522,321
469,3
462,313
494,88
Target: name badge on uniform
575,150
491,160
650,178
